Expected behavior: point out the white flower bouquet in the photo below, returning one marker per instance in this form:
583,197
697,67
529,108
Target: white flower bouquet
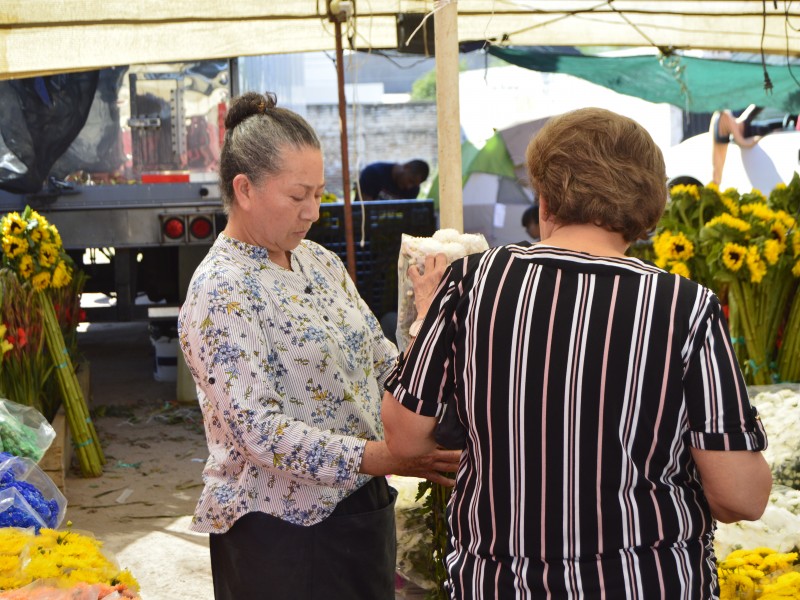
413,251
777,408
778,528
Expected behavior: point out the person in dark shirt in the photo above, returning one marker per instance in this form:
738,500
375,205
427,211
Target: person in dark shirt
392,181
606,421
530,221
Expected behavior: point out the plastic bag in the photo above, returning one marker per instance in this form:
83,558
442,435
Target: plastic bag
39,590
24,431
413,251
413,534
28,497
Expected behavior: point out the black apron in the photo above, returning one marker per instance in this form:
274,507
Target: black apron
351,555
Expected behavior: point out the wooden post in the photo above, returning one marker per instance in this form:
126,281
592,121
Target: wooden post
451,210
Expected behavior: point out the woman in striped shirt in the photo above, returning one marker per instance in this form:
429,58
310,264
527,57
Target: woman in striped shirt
607,422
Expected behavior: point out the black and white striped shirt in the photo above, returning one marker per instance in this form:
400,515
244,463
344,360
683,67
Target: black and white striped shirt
582,382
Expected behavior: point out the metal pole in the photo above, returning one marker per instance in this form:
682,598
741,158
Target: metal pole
348,213
451,210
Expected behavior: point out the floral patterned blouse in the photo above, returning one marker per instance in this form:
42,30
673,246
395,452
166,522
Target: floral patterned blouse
289,367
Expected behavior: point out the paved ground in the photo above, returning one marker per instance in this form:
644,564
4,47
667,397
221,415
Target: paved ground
155,449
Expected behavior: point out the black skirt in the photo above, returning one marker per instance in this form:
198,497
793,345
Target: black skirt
351,555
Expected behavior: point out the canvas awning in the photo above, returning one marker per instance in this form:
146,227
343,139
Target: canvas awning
40,37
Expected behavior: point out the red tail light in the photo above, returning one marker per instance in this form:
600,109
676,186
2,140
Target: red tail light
174,228
201,227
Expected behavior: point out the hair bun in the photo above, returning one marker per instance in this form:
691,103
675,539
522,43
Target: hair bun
247,105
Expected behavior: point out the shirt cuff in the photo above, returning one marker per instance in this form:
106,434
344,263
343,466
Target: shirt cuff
753,441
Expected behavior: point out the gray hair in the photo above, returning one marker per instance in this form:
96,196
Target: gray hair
257,133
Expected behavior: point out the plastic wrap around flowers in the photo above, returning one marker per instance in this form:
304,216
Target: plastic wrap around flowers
28,497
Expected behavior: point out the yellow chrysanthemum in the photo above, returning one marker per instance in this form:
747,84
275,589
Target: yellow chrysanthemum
126,578
773,249
9,564
12,540
13,224
62,275
41,281
780,186
680,268
758,193
14,246
727,220
755,264
26,266
733,256
712,186
796,269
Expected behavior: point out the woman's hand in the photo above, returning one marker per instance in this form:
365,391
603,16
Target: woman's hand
434,466
425,283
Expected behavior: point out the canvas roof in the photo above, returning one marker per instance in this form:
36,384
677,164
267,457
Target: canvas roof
48,36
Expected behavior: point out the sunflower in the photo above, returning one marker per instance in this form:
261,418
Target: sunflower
680,268
14,245
733,256
756,265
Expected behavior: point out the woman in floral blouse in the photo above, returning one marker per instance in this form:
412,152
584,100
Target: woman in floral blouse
289,364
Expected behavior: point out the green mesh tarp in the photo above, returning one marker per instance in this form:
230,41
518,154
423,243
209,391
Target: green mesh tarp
692,84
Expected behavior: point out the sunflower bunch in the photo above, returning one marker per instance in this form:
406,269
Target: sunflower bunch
759,573
749,251
786,199
676,243
32,248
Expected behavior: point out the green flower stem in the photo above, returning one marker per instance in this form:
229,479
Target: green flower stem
753,326
85,440
789,353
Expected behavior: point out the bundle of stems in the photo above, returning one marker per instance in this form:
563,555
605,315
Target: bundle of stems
84,436
789,353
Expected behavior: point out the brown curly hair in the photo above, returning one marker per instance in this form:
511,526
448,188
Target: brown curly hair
594,166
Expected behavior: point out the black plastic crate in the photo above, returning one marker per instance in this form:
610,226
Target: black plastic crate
376,261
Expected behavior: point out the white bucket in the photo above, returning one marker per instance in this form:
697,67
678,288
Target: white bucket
166,361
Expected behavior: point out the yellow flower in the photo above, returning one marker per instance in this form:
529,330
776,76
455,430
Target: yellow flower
760,211
730,199
13,224
755,264
26,266
61,275
55,237
780,186
48,254
712,186
733,256
685,189
41,281
773,250
796,269
727,220
13,245
680,268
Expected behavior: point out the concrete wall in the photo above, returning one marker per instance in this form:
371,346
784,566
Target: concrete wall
377,132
